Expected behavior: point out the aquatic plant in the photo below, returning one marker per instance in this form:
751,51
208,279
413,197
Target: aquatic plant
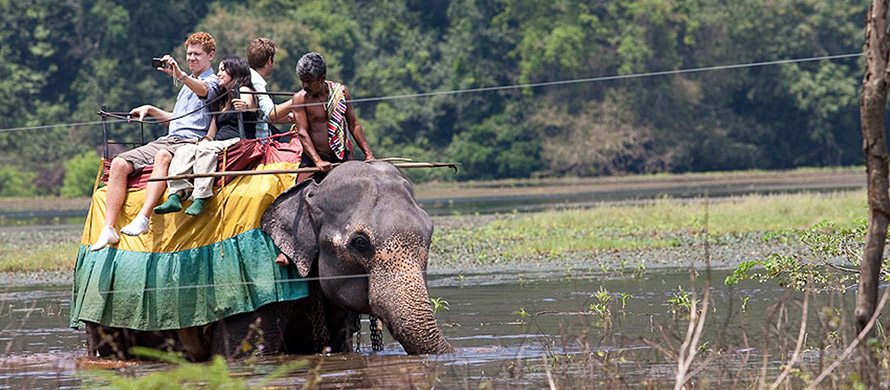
602,311
603,304
522,313
512,238
623,297
681,302
818,265
439,304
38,250
638,272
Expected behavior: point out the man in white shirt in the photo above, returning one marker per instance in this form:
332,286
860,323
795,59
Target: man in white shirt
261,58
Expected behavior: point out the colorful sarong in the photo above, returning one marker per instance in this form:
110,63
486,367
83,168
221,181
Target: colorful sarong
338,129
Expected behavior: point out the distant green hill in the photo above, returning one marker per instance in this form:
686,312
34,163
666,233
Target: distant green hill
63,60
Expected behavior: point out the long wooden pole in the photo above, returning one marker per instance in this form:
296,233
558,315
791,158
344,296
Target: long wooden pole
297,170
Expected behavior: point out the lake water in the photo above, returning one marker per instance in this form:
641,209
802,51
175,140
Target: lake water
508,329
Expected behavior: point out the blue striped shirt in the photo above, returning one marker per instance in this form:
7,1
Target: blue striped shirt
197,124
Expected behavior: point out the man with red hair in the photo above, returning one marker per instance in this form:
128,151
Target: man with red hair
198,89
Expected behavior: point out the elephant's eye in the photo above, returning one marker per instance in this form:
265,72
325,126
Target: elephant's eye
362,244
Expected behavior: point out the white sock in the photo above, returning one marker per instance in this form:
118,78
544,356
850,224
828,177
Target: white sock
137,227
106,237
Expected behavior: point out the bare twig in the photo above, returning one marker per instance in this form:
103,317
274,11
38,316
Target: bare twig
849,350
801,336
667,352
744,362
844,269
689,348
775,311
549,375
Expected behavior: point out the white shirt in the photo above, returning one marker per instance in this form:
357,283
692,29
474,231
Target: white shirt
265,101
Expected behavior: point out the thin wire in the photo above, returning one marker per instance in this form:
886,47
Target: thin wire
246,283
59,125
252,283
594,79
530,85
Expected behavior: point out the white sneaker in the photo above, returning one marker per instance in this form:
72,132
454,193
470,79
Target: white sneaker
107,237
137,227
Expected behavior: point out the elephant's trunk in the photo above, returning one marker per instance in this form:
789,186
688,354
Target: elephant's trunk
398,295
404,306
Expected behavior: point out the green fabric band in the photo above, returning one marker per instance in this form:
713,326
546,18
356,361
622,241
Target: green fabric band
160,291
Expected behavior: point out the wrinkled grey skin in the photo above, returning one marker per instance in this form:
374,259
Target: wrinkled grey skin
361,220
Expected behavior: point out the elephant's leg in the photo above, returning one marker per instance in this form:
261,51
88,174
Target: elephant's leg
111,342
316,323
258,332
298,336
103,341
195,342
341,326
162,340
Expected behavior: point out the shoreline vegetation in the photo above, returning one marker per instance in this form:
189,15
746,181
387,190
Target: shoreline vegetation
512,187
657,233
508,187
662,232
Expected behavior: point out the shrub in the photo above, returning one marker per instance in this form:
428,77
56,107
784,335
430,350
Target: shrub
80,175
14,182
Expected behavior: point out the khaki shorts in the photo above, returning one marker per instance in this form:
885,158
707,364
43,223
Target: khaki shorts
144,155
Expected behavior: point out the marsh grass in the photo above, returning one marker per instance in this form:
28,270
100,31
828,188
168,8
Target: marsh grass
43,204
38,250
654,224
497,239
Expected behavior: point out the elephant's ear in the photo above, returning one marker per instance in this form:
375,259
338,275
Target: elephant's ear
288,221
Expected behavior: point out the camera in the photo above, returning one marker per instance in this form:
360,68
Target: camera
157,63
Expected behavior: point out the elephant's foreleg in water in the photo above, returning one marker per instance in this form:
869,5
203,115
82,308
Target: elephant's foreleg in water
283,327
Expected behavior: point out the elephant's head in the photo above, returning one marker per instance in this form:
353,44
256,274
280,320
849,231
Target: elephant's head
362,220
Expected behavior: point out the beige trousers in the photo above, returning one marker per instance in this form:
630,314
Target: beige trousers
196,158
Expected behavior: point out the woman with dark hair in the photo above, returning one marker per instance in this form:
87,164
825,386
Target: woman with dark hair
234,71
233,75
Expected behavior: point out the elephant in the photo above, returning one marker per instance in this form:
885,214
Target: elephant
363,242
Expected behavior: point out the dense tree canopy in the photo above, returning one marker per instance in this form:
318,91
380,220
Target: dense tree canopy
63,60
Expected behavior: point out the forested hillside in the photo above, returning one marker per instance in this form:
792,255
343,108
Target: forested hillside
64,59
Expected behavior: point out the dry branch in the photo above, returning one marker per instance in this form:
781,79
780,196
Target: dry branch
801,336
861,336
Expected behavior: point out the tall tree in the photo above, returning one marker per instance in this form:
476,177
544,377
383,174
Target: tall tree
872,106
